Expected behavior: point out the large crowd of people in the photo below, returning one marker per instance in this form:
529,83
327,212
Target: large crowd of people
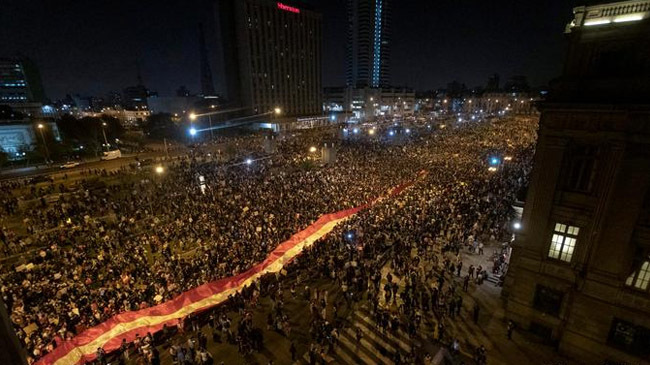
101,249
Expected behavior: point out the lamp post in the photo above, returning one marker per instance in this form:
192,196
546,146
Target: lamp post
210,121
47,153
104,133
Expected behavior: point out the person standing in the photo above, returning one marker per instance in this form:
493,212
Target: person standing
359,336
511,328
292,350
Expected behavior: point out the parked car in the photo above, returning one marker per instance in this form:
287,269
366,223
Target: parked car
70,164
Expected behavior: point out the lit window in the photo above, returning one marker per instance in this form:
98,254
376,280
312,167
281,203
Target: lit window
640,279
563,242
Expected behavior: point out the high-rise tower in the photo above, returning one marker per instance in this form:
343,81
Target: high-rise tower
368,47
272,55
207,85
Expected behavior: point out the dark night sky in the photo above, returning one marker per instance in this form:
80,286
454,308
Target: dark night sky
91,47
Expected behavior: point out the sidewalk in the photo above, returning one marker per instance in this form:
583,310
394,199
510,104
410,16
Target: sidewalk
491,328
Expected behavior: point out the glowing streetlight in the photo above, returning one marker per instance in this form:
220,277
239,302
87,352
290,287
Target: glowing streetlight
104,133
249,161
193,131
47,152
408,130
391,133
312,149
159,169
516,226
192,116
277,111
355,130
371,132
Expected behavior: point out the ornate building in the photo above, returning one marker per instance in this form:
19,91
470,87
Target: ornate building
580,268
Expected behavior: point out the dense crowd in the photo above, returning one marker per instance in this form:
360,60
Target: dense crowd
104,249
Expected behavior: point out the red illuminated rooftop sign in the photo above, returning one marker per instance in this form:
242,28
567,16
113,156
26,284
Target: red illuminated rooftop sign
284,7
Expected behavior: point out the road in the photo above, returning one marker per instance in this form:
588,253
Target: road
93,164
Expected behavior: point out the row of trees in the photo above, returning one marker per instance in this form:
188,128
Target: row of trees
84,137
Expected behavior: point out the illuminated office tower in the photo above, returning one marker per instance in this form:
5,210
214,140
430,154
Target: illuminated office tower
368,44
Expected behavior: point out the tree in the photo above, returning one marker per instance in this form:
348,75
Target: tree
161,125
4,157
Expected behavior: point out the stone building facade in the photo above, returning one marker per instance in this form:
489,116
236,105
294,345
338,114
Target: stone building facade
580,267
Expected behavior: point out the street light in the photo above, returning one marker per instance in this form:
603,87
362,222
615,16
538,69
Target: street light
104,133
192,131
47,153
312,149
277,111
160,169
192,116
516,226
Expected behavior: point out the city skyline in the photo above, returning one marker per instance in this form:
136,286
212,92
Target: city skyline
92,51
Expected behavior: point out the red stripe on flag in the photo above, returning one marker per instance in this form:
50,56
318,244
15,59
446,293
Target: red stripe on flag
191,296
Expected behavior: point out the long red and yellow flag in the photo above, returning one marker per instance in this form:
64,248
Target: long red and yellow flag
109,334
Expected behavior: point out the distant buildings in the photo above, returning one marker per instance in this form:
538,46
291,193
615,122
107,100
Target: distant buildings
579,274
368,93
369,103
18,132
501,103
173,104
135,97
272,55
368,43
20,86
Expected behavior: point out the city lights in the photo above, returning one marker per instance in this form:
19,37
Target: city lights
371,131
277,111
248,161
193,131
312,149
159,169
192,116
494,161
516,226
391,133
355,130
408,130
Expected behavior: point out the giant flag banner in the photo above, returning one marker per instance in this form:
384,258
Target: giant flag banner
126,325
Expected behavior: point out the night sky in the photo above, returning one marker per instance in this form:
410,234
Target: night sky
92,47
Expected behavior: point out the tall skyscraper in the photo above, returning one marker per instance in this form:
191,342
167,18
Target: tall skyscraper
368,46
20,82
579,275
207,85
272,55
